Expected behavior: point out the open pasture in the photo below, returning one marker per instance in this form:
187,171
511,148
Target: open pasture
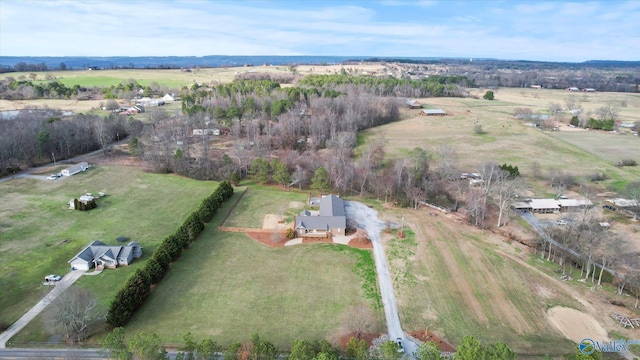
456,281
38,234
509,140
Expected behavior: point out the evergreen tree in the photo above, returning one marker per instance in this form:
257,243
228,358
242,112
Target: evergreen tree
320,180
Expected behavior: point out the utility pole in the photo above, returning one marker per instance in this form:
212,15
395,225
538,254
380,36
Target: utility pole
426,328
402,228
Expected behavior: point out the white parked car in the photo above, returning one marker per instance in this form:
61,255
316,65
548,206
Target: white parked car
52,278
52,177
561,222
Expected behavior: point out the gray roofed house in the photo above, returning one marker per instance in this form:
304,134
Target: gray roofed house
330,219
99,255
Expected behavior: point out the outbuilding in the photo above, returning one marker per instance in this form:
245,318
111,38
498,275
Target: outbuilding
432,112
413,104
75,169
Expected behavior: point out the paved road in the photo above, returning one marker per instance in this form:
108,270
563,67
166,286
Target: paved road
59,288
367,218
62,354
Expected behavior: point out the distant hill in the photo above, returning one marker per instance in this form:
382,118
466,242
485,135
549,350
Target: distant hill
177,62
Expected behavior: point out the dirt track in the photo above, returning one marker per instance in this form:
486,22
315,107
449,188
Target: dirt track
447,236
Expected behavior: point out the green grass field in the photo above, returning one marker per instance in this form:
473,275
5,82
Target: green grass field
38,234
228,286
259,201
472,289
172,78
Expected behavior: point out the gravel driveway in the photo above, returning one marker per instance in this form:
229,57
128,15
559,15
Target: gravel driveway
366,218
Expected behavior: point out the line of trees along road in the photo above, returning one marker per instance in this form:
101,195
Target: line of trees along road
144,346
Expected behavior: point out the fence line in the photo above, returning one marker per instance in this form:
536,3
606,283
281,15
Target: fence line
254,230
233,207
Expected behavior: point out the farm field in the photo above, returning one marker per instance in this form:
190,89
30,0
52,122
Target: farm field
472,285
171,78
38,234
509,140
228,286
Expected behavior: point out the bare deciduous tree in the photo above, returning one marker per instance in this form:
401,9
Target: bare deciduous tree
74,312
505,190
358,320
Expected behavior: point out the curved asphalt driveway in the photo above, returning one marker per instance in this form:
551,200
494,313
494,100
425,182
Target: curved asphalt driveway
367,218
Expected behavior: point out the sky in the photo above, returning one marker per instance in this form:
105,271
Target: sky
518,30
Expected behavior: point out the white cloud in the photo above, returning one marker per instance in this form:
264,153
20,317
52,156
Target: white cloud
572,31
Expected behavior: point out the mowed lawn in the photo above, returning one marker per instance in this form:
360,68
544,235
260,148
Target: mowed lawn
466,286
510,140
259,201
38,234
228,286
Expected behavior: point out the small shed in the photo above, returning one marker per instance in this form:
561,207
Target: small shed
432,112
75,169
413,104
620,204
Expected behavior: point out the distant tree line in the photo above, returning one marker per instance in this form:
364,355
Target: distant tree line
39,136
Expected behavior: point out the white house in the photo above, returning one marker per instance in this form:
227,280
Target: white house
75,169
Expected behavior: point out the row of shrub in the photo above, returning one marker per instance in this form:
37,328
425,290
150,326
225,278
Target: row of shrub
135,291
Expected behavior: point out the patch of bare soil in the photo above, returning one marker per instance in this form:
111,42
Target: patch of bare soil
576,325
429,336
361,240
269,239
273,221
118,158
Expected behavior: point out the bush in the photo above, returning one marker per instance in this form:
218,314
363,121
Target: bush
627,162
488,95
478,129
599,177
290,233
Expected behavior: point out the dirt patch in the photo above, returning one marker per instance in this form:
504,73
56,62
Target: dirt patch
361,243
269,239
273,221
118,158
429,336
576,325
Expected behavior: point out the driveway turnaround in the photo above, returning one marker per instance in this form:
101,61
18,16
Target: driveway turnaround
367,218
59,288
